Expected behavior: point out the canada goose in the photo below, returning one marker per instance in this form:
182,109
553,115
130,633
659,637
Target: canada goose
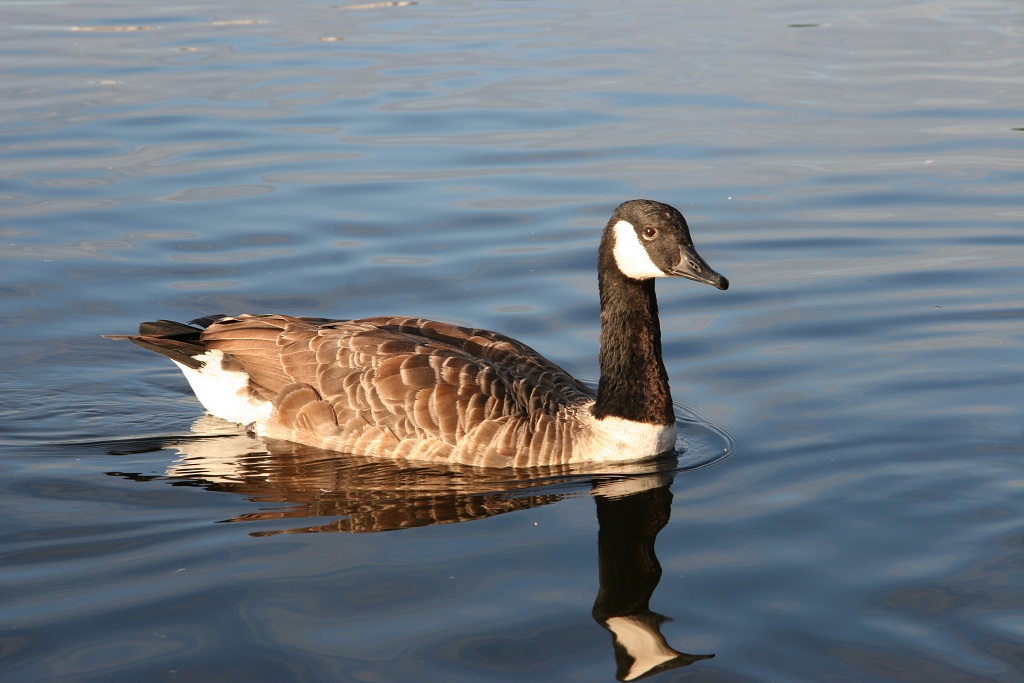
419,389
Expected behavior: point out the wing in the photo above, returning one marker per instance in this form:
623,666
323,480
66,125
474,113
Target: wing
377,382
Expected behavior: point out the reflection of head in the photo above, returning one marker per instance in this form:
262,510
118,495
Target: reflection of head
640,648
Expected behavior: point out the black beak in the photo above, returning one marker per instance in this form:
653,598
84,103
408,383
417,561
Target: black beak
693,267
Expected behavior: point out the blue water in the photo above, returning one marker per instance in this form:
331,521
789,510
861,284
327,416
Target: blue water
848,500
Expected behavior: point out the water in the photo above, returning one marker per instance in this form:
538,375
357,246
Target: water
849,504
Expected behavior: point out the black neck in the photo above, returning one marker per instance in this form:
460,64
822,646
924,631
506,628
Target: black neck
634,383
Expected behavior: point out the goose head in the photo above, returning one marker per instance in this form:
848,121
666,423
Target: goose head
648,239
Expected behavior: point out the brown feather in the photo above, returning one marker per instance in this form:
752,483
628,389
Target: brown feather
403,378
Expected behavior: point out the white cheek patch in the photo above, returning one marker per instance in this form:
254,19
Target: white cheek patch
630,255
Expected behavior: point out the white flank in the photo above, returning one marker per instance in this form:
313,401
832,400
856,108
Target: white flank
225,393
631,256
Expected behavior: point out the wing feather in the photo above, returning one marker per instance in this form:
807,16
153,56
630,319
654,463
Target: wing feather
377,382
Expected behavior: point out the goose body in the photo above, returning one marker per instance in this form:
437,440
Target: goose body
420,389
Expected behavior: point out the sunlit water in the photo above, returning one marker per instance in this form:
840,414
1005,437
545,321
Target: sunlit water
847,502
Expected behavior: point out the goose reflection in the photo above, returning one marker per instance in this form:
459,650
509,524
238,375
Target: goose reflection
363,494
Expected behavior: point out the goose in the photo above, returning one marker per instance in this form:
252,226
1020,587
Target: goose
409,388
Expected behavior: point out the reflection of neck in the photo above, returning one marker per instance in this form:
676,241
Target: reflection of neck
627,566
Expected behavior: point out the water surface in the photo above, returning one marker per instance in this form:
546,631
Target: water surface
847,501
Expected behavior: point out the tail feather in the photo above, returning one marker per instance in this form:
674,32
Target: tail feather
206,320
177,341
167,328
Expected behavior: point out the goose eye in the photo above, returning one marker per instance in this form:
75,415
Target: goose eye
650,233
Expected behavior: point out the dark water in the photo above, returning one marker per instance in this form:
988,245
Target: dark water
849,503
